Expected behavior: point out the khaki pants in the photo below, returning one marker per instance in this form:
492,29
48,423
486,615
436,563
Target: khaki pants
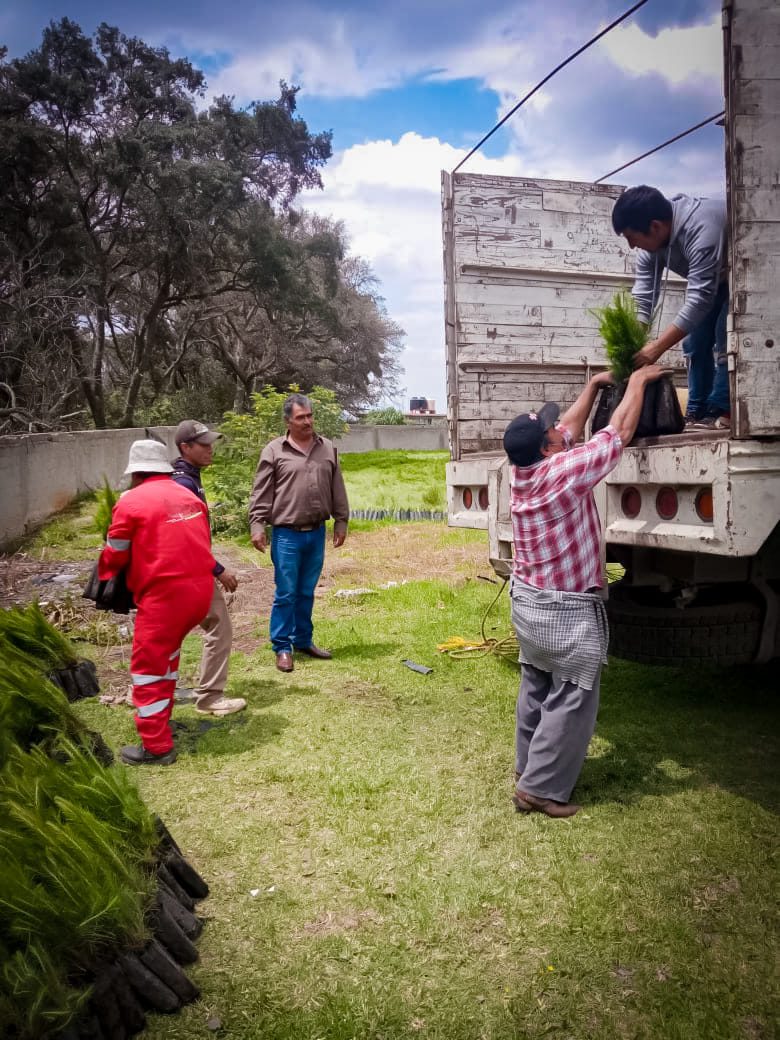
217,642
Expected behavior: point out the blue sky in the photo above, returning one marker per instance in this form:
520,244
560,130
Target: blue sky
408,87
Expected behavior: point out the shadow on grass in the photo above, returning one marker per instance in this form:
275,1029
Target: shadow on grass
233,734
669,730
364,651
230,735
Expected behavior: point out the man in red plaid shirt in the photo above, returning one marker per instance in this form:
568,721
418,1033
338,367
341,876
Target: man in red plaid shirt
557,607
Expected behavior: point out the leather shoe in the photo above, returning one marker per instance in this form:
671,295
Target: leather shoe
315,651
284,661
530,803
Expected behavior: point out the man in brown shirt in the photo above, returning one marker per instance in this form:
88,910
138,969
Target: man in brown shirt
298,485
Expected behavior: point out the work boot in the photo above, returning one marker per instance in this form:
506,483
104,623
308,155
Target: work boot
139,756
527,803
222,706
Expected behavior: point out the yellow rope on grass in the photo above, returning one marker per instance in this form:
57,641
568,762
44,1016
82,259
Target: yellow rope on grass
457,646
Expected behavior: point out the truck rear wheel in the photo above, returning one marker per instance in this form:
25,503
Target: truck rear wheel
719,634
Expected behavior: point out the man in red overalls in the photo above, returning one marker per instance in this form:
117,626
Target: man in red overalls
160,533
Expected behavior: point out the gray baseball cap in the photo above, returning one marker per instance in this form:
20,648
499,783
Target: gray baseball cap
191,430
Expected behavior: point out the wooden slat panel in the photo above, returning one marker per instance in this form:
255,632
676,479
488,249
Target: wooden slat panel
755,164
753,124
584,203
759,98
534,354
510,314
762,56
758,204
497,294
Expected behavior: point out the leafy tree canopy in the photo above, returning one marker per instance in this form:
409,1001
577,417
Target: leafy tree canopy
149,250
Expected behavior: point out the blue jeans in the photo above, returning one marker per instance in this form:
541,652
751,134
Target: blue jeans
297,558
705,352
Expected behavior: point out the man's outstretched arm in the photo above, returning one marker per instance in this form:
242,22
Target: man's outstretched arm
574,418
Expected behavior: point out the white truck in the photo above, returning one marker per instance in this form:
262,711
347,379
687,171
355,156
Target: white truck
694,519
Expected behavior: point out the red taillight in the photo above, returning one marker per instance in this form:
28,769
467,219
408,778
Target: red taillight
666,503
483,498
468,498
631,503
704,506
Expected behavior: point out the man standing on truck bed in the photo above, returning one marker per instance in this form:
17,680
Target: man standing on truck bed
688,236
557,608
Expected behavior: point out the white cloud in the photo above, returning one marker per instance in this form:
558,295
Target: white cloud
388,196
676,54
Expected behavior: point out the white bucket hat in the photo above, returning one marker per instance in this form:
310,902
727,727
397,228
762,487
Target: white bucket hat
148,457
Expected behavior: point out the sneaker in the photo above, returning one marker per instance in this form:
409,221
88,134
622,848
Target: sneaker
222,706
714,422
132,755
691,418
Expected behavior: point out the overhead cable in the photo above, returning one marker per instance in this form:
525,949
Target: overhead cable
549,76
658,148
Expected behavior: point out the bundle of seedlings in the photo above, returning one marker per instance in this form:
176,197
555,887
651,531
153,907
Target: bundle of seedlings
105,499
624,335
47,648
96,901
34,711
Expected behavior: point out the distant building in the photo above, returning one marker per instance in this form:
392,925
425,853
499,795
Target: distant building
422,412
421,406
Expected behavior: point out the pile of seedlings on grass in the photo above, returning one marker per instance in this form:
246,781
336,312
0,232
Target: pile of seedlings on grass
96,901
49,650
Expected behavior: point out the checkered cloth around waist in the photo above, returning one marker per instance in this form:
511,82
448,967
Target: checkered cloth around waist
561,632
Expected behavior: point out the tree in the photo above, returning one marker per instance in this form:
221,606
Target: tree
132,190
384,417
229,480
150,255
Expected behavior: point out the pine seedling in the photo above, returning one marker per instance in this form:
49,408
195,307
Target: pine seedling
32,709
622,332
106,500
36,998
29,631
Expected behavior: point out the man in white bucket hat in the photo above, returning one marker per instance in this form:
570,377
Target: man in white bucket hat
160,536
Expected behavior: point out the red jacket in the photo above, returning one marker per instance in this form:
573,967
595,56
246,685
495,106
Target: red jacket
160,532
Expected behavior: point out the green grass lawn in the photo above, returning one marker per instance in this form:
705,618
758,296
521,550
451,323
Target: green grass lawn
396,894
396,479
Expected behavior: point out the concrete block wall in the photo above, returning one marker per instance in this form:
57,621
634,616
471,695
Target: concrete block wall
40,473
393,438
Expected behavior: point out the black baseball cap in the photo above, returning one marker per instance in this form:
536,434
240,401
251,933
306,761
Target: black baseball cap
524,436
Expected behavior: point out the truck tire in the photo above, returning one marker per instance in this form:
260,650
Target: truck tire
723,634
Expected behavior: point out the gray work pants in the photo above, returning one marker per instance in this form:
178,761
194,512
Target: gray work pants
555,721
217,643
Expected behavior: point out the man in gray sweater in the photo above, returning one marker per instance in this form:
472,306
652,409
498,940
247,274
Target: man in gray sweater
687,235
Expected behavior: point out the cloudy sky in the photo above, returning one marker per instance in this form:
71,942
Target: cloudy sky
408,87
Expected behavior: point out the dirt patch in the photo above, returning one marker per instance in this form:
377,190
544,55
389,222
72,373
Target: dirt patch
251,602
406,552
334,924
24,579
